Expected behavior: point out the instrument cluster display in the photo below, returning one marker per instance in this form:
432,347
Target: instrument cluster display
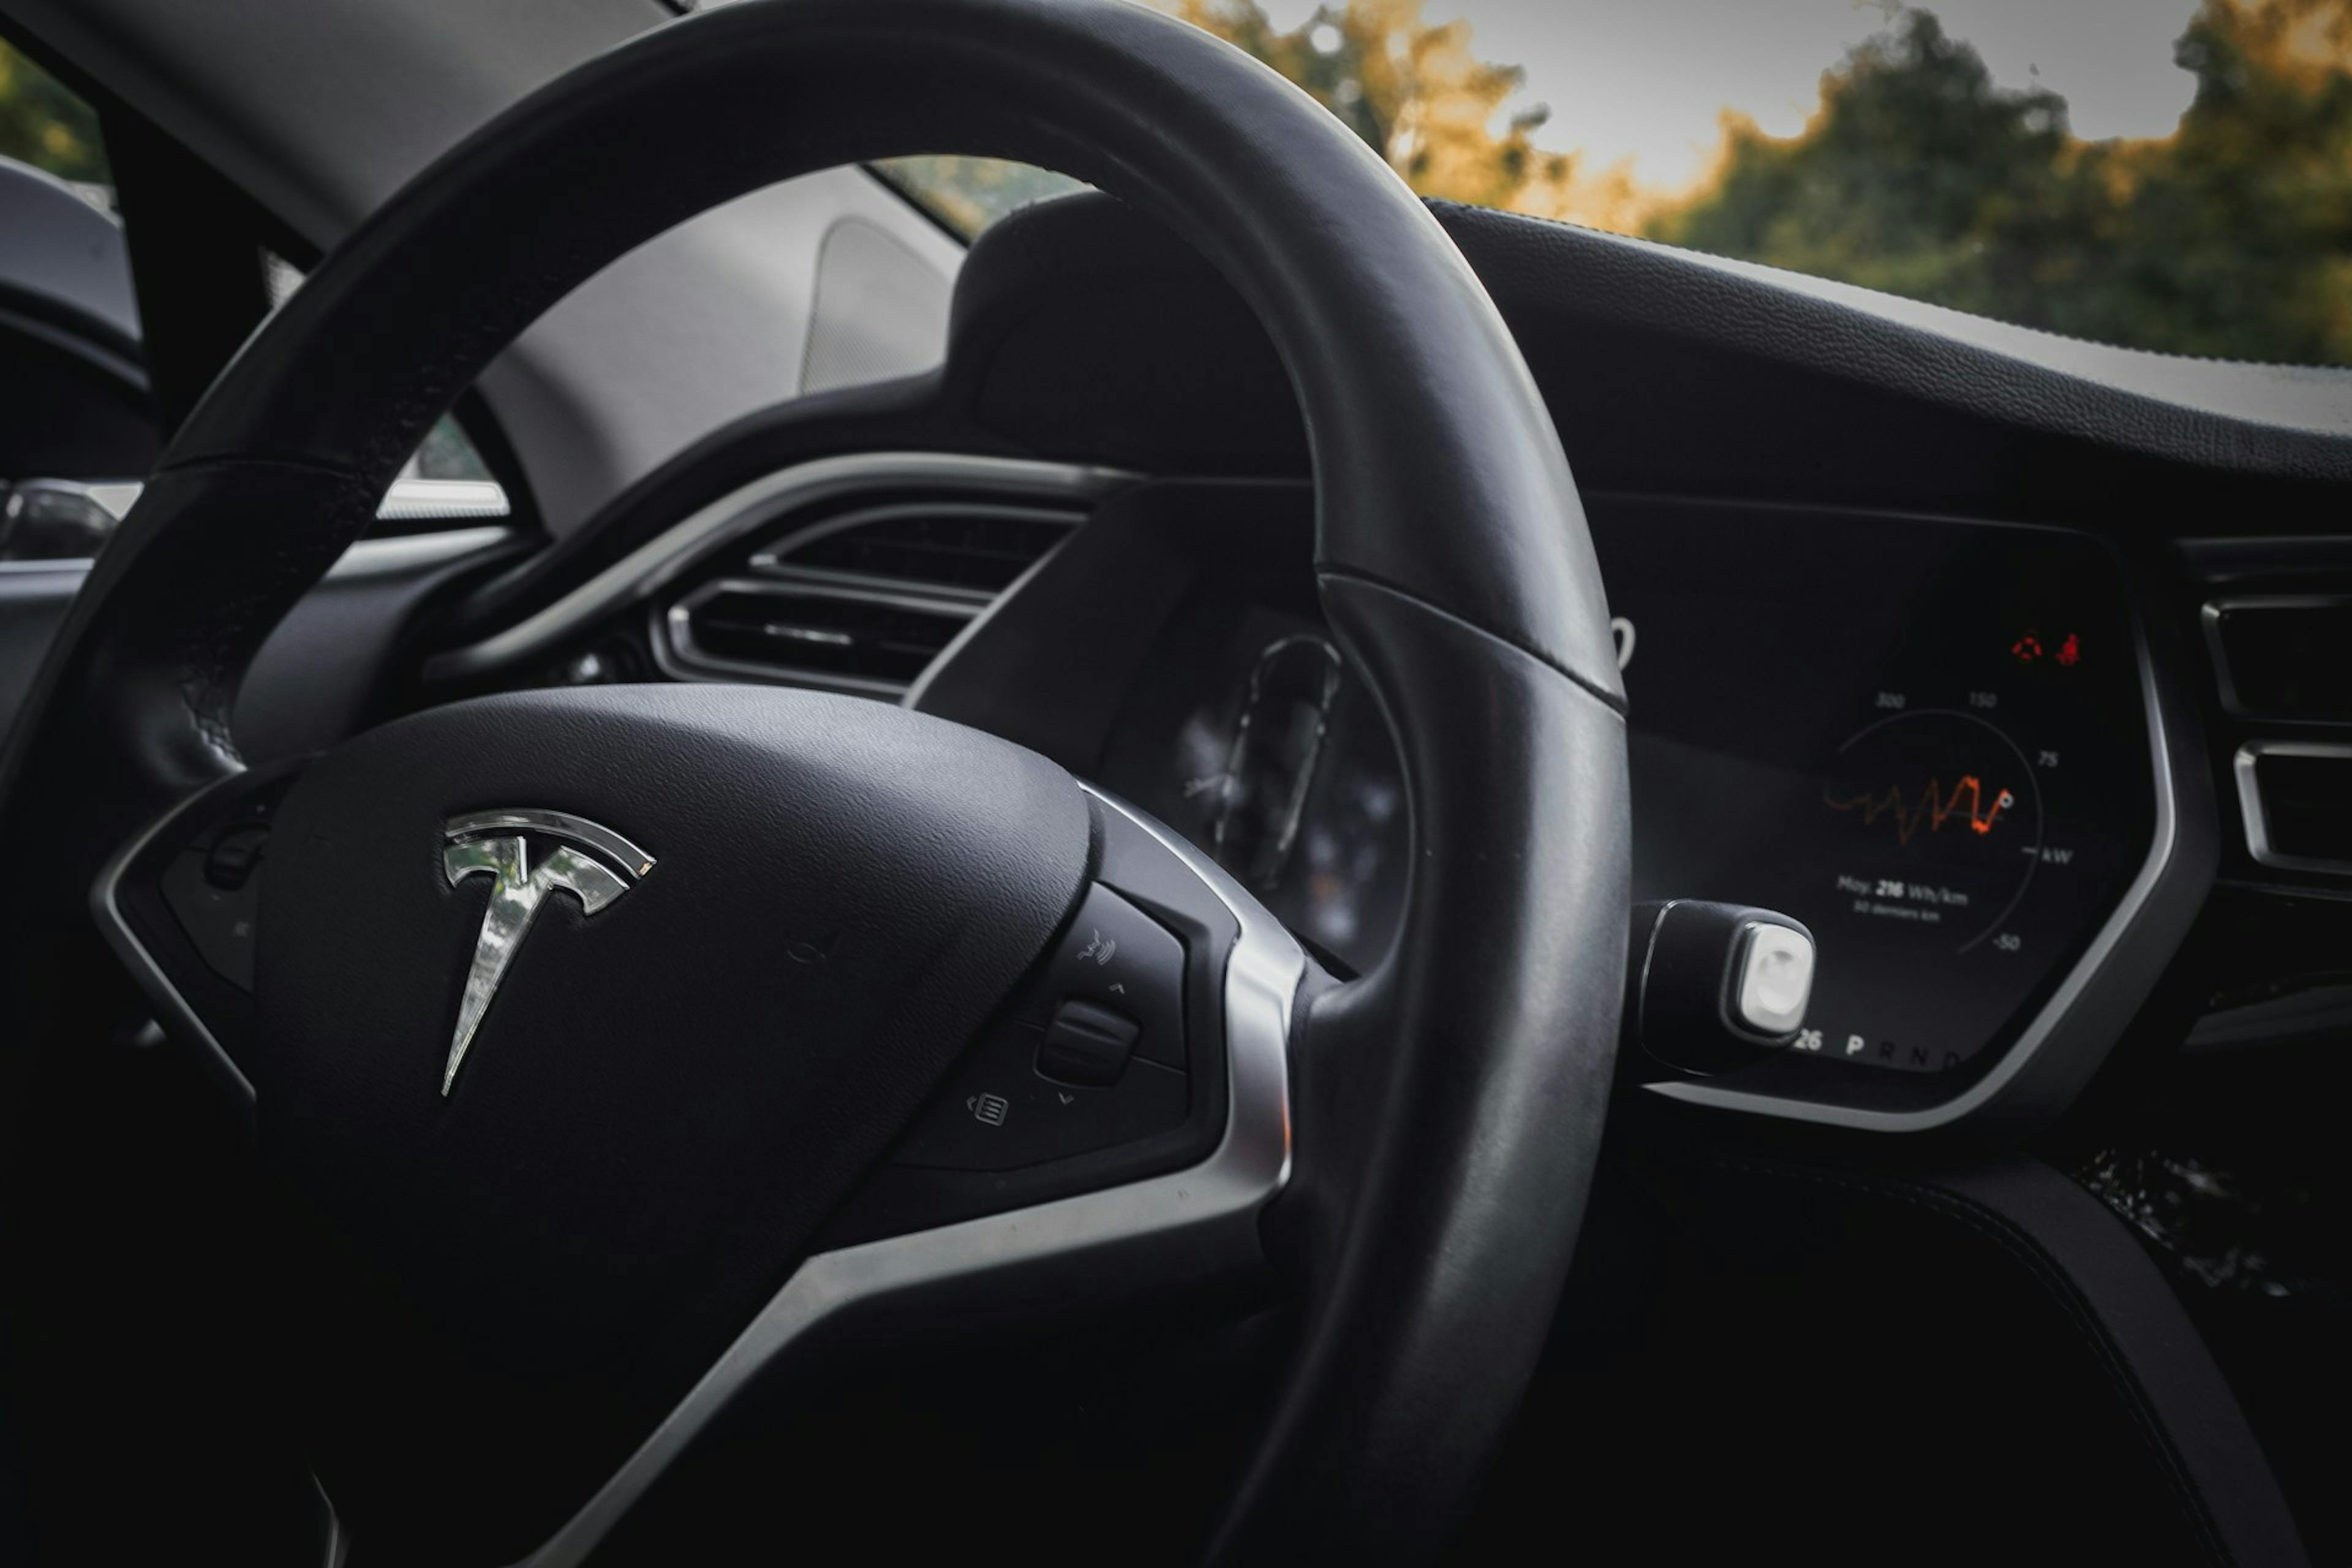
1926,740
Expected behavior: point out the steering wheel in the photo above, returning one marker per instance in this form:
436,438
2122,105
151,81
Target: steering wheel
770,924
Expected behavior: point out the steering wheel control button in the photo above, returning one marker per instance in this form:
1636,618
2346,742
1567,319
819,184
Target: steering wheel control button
999,1112
219,921
1123,962
1775,977
1088,1045
213,890
235,854
205,870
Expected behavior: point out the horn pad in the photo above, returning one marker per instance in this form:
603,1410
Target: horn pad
498,1290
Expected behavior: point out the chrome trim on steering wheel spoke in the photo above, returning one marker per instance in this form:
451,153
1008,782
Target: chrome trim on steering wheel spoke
1211,1208
172,1007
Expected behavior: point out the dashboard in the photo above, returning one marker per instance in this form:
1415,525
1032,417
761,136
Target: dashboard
1922,677
1940,744
1927,740
1997,769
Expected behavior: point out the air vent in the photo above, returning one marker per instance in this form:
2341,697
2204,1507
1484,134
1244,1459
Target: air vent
849,638
862,601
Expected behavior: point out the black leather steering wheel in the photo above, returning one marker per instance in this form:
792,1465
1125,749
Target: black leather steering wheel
488,1288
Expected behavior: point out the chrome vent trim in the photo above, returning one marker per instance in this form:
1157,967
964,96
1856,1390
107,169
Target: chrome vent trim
679,647
443,500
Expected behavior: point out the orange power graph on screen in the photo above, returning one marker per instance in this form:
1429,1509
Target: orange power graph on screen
1931,809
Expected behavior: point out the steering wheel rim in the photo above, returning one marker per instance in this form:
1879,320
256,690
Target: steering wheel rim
1448,1103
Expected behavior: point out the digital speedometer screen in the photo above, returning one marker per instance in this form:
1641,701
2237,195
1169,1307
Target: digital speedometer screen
1927,740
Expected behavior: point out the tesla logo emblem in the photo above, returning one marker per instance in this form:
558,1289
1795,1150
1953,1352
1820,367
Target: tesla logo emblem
594,865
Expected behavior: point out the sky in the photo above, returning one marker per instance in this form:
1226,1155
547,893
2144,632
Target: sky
1644,81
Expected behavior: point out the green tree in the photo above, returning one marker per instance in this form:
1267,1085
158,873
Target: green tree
43,124
2233,235
1921,176
1415,93
1914,159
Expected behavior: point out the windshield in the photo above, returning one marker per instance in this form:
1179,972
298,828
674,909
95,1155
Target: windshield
2167,174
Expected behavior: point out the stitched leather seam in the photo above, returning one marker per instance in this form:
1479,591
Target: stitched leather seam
1614,701
203,461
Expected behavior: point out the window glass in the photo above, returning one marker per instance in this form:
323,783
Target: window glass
47,127
74,412
2168,174
77,425
967,194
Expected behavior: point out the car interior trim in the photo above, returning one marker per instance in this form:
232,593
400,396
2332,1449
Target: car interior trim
681,658
384,557
2250,803
918,692
443,500
408,499
775,560
2210,618
661,560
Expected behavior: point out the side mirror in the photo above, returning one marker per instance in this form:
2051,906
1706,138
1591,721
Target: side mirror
59,519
